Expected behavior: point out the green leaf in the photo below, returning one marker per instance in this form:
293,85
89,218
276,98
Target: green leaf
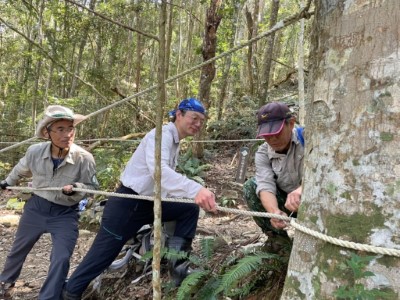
189,283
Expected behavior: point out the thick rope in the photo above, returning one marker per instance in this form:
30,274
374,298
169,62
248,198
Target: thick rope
293,222
184,141
281,24
345,244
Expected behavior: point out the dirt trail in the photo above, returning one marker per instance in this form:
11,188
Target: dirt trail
231,232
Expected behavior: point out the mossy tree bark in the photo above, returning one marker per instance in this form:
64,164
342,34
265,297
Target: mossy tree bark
351,183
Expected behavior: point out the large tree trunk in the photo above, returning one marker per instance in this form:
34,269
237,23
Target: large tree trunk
351,183
213,20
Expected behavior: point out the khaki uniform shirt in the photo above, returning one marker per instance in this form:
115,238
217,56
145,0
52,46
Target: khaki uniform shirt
77,167
139,171
282,170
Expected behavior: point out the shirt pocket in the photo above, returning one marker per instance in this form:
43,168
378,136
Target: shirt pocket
276,167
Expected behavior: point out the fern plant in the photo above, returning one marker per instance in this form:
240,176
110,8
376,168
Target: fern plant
237,276
192,167
232,280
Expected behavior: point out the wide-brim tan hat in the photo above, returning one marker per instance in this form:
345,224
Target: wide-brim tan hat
55,113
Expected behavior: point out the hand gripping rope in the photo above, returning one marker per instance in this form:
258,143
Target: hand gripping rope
293,221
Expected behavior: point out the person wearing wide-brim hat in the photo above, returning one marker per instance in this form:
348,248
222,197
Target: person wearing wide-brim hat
55,113
57,162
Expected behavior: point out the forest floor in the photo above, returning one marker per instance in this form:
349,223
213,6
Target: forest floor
232,232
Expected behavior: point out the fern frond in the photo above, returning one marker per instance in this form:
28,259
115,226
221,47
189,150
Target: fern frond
207,247
149,254
244,267
197,261
189,284
171,254
208,291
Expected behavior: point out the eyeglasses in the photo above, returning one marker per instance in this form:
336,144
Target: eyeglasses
195,119
62,130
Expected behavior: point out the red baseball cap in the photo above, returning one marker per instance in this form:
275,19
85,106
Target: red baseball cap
271,118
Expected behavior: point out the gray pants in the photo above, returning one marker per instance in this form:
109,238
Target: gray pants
42,216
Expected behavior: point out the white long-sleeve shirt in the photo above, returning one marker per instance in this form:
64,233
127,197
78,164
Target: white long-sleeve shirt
139,172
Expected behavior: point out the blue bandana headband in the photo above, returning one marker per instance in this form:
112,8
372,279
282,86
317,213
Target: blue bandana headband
189,104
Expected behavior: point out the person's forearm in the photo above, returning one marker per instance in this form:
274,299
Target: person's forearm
270,204
268,200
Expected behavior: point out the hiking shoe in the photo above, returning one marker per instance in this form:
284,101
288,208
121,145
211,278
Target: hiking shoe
68,296
6,290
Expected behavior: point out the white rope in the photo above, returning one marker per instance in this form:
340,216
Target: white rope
293,222
346,244
151,198
138,141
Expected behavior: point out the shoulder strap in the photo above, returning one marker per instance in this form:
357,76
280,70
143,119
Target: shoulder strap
300,137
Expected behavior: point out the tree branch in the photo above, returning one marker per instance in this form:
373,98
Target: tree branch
114,22
51,58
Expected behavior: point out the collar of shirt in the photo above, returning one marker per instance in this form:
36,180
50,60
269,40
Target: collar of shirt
172,128
68,158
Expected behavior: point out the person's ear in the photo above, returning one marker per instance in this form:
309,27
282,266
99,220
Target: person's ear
178,113
46,133
292,122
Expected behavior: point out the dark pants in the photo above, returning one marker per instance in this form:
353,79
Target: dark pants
254,204
121,220
42,216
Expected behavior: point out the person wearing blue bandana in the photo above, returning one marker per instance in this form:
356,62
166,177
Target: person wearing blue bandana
190,104
123,217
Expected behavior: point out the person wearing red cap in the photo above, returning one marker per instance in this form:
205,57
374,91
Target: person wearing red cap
59,162
276,187
123,217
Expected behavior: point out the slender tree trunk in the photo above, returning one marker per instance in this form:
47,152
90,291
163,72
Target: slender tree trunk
213,20
351,181
268,54
139,46
35,98
187,58
179,55
82,44
161,96
220,103
169,36
300,70
250,30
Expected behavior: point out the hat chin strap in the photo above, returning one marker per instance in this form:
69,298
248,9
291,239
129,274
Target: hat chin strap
60,150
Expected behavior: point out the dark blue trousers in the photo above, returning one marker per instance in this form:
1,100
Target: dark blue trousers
122,218
42,216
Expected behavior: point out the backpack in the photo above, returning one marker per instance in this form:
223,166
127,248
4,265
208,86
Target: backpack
300,134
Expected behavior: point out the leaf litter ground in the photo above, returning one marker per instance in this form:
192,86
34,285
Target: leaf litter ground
231,232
